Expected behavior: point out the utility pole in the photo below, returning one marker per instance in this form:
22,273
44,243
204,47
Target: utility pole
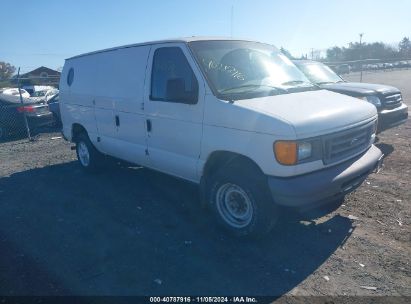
361,34
232,20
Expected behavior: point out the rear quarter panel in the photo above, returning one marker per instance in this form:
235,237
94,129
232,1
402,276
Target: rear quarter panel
76,102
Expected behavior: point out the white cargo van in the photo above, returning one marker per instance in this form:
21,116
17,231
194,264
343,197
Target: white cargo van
236,117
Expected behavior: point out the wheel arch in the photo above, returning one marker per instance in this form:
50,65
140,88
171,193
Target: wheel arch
76,130
219,159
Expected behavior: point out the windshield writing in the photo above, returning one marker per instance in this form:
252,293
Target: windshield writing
244,68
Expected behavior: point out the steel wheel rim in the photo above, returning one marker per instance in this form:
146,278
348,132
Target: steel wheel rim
83,154
234,205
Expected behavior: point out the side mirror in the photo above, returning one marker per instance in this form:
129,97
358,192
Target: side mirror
176,92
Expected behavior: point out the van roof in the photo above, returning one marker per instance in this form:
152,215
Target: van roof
175,40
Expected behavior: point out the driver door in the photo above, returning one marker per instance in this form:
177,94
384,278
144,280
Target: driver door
174,103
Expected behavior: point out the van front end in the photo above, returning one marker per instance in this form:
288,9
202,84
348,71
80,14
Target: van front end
348,157
325,186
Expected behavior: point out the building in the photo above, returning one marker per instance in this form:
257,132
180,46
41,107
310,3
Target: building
41,75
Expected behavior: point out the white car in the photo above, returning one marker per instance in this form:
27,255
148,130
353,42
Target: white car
235,117
15,92
44,95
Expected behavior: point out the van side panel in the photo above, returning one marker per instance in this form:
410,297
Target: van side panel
119,100
75,103
130,108
106,97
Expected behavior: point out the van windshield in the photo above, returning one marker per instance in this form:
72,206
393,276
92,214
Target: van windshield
242,69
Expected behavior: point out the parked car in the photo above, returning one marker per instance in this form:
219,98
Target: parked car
388,65
380,66
12,115
15,92
54,106
44,95
235,117
343,69
388,100
34,88
374,67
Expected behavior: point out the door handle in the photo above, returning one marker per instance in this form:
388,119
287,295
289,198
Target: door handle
148,124
117,120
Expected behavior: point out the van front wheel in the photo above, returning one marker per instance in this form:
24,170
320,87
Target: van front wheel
87,155
242,204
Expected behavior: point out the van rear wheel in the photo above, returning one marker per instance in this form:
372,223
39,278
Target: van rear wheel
88,157
242,203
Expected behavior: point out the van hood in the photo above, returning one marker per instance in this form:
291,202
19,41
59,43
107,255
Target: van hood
359,88
313,113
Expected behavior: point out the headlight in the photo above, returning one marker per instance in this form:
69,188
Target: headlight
372,99
290,152
304,150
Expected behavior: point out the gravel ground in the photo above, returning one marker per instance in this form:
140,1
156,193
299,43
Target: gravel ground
130,231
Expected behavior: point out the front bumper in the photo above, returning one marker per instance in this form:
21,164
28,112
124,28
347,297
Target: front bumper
317,188
391,118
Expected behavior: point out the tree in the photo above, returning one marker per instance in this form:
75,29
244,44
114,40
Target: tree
405,47
6,70
335,54
357,51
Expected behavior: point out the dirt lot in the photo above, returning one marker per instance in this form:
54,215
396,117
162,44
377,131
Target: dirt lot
129,231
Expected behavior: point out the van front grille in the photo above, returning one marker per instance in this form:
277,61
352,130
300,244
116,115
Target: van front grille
342,145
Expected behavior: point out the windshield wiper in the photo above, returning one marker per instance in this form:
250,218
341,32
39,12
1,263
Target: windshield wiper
324,82
254,86
296,82
231,97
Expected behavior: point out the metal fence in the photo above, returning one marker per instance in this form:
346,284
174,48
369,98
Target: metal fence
24,106
369,66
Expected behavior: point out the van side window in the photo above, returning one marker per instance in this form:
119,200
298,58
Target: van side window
172,79
70,77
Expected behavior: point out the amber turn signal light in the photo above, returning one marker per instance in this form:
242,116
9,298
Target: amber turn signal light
286,152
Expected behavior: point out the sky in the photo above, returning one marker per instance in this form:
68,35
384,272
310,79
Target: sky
45,32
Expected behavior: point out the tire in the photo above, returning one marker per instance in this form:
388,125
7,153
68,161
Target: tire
241,202
87,155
